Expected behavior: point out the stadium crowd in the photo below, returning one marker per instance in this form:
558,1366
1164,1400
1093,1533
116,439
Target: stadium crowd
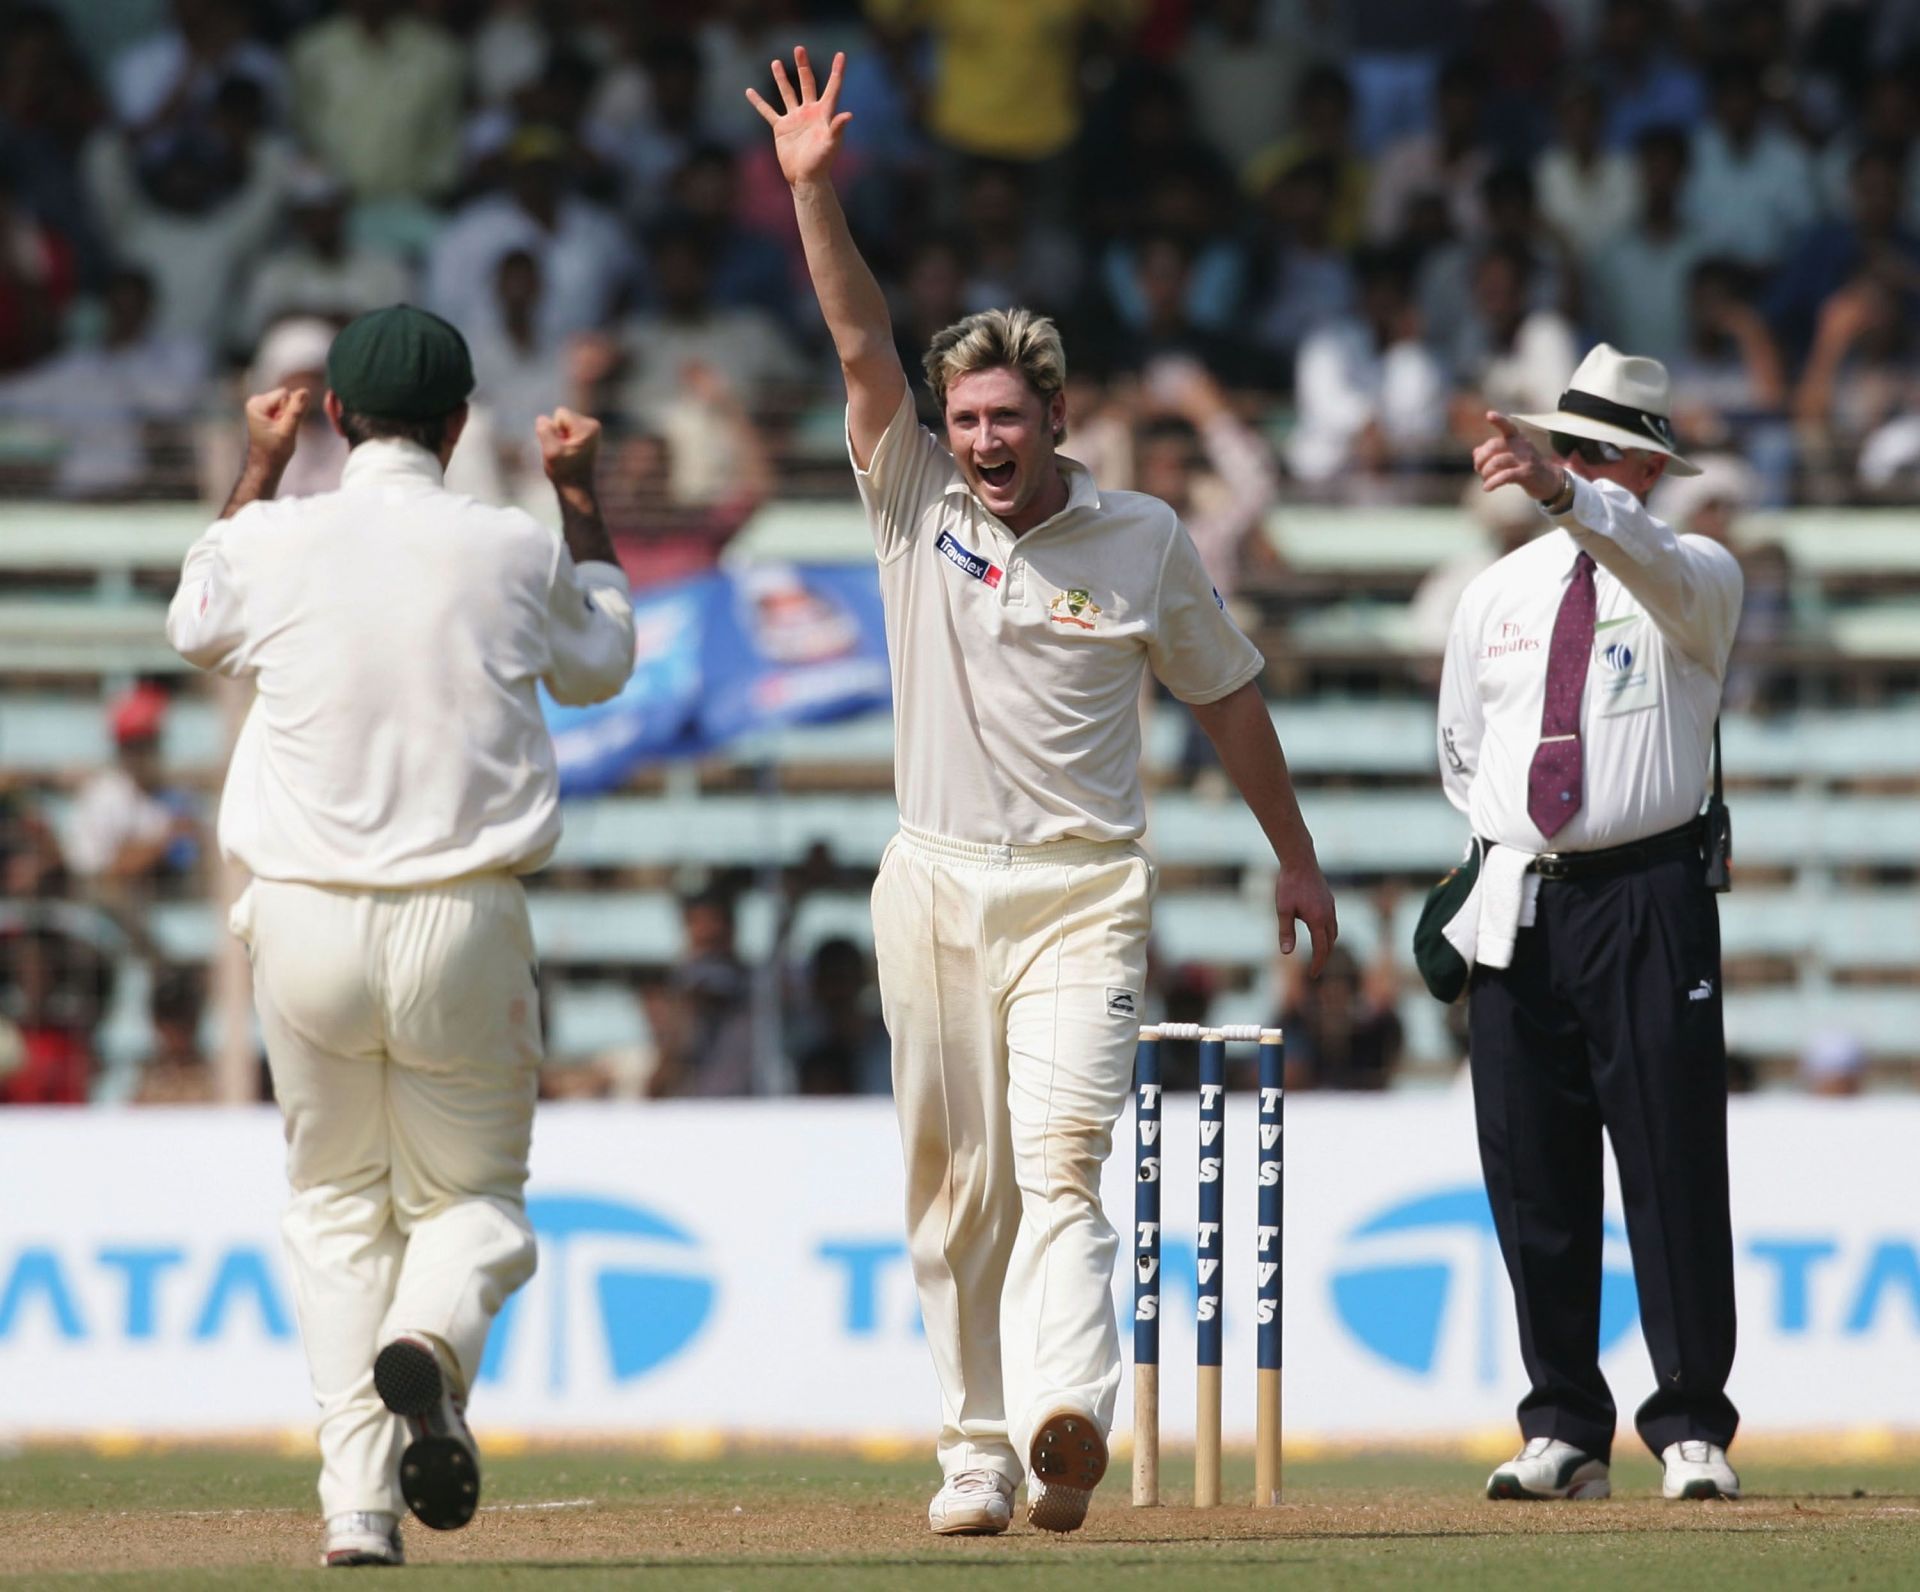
1370,221
1297,247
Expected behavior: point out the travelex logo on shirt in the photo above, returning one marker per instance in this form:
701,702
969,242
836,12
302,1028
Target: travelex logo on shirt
964,559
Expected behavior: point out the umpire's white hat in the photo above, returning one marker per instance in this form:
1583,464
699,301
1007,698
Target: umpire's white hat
1624,399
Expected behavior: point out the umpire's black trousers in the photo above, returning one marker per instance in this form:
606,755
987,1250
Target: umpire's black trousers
1610,1017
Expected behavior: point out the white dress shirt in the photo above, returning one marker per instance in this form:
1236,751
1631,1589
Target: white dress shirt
396,633
1018,660
1666,612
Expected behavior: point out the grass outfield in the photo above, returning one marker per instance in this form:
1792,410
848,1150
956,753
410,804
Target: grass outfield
587,1518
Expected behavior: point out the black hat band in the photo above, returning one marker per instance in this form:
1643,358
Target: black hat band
1627,418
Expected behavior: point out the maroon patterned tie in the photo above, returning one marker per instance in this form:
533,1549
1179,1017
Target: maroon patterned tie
1553,783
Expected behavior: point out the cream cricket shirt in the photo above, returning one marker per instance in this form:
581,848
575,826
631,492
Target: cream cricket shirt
396,633
1017,661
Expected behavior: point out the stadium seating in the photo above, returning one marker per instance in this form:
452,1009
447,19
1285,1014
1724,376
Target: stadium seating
1824,931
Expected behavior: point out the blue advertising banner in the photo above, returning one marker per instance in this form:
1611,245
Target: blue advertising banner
726,654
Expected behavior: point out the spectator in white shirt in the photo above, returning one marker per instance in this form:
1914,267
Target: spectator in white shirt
1221,490
668,128
1729,383
1637,283
168,80
195,217
1512,221
585,257
320,271
1240,70
1753,184
745,346
107,399
1506,354
377,95
1586,190
1450,158
1368,390
126,825
520,372
1888,120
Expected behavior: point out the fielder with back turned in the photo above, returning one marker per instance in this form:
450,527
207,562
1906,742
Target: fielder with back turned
1577,706
392,781
1023,607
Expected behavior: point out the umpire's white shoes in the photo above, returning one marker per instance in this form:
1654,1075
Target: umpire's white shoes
1549,1468
1697,1469
364,1536
440,1467
972,1503
1065,1462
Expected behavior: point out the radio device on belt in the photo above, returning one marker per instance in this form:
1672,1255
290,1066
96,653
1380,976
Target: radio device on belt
1717,839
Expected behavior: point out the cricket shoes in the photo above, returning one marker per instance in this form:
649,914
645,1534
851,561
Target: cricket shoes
1065,1462
1697,1469
1549,1468
365,1536
972,1503
440,1467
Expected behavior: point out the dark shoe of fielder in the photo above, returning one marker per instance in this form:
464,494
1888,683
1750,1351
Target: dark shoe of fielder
1549,1468
440,1468
362,1537
1067,1458
1696,1468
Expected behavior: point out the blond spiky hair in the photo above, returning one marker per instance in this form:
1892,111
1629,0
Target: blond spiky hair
1016,340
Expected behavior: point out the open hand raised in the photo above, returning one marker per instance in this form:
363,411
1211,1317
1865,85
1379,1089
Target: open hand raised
806,136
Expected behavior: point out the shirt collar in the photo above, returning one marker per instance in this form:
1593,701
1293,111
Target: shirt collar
390,460
1081,492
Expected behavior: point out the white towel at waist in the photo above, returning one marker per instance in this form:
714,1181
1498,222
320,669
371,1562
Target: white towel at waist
1505,900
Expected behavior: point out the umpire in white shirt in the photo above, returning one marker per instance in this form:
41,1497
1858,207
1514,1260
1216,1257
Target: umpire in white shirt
392,781
1582,681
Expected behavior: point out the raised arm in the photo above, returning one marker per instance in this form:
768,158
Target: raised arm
207,619
1689,586
806,137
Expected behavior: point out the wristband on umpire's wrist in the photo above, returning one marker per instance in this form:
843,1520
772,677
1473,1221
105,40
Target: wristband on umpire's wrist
1562,500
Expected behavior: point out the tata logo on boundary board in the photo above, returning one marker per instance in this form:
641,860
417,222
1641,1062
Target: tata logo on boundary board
1424,1284
649,1293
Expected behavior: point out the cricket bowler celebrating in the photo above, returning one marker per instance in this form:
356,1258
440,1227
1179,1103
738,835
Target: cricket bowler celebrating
393,779
1011,911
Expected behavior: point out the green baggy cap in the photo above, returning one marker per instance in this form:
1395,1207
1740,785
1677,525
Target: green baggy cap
400,363
1443,969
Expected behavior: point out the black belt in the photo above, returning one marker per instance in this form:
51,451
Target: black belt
1636,854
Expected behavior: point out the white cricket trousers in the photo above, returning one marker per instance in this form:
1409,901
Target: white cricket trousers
403,1032
1012,979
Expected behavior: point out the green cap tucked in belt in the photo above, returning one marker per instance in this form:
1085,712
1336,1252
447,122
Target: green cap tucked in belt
1442,968
400,363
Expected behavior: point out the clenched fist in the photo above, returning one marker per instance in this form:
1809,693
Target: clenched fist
569,444
273,424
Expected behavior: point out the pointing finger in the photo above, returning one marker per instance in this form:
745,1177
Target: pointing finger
1501,423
